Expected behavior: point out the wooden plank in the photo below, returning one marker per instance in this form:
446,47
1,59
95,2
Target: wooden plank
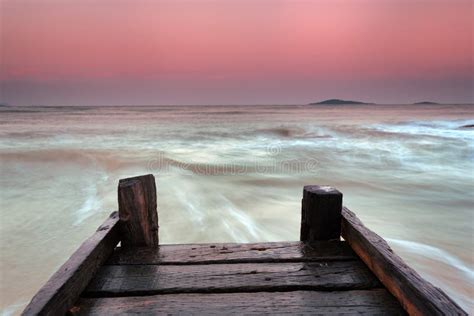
320,213
137,211
368,302
235,253
132,280
64,287
416,295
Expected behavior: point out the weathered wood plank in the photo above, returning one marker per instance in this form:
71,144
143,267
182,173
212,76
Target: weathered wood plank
64,287
368,302
137,212
320,213
235,253
416,295
132,280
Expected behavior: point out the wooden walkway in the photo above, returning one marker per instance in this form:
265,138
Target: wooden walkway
319,275
317,278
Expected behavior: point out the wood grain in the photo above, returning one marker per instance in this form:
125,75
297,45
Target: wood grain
137,211
235,253
132,280
416,295
369,302
320,213
64,287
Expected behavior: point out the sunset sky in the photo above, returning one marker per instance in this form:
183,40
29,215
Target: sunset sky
235,51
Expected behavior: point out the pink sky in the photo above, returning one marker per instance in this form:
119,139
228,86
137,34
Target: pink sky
235,51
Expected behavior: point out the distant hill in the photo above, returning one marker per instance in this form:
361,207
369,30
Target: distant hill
425,102
338,101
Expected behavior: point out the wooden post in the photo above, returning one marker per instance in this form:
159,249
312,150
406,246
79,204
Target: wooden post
320,213
137,212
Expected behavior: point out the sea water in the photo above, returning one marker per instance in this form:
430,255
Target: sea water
235,174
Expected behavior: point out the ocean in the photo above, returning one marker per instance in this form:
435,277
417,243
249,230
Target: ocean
236,174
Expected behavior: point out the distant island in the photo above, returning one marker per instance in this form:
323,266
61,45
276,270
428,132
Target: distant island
338,101
425,102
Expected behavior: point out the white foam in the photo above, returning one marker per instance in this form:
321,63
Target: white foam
191,206
466,274
439,128
246,223
13,308
91,204
435,254
235,234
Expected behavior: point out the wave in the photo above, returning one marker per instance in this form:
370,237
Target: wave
292,132
221,113
451,273
91,204
151,161
434,254
13,309
241,225
190,205
110,161
440,128
211,214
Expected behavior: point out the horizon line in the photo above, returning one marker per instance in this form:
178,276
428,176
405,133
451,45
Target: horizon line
228,104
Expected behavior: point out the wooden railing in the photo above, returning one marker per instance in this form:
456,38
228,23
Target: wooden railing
323,218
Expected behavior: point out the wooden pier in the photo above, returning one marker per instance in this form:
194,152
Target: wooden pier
320,274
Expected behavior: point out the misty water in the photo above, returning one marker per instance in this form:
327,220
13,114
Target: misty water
235,174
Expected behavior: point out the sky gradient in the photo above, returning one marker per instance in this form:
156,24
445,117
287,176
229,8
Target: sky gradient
114,52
